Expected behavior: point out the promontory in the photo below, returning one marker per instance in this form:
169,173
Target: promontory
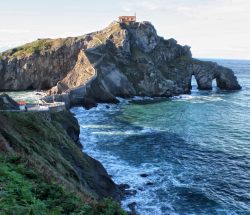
122,60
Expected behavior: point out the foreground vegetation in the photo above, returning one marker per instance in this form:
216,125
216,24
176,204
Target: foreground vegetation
23,191
42,170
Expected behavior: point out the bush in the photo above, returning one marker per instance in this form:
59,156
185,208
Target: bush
24,192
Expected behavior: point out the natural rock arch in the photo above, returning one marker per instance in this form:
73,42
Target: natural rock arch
206,72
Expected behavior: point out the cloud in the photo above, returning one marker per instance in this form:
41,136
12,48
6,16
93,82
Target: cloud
14,31
227,9
142,5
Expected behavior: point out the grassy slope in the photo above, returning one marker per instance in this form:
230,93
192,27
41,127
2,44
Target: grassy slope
29,48
23,192
37,174
42,45
37,47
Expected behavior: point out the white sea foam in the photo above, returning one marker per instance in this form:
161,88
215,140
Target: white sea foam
123,172
111,133
198,98
30,96
183,97
141,98
122,100
96,126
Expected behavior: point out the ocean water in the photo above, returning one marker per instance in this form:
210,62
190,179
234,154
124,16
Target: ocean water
28,96
195,148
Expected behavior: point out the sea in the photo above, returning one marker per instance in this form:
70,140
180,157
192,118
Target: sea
185,155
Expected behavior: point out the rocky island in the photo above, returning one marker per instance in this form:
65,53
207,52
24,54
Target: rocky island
122,60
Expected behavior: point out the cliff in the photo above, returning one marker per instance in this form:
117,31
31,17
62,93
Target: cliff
121,60
43,170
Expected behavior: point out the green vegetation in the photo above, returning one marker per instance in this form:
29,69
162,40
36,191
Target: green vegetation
36,47
45,172
47,146
30,48
24,192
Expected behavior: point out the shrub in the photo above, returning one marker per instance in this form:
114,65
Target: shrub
24,192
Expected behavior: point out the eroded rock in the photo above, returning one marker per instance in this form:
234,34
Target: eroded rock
123,60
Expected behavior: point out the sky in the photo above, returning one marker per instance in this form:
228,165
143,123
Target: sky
213,28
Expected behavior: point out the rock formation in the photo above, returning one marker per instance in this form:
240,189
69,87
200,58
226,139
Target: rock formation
7,103
121,60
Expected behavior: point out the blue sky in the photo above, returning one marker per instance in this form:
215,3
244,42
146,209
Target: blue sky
213,28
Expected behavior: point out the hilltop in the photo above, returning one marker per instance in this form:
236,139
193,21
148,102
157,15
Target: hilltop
123,60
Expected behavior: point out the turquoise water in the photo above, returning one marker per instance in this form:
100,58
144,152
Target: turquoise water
195,148
28,96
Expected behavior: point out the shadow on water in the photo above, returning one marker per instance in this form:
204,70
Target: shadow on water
198,187
145,146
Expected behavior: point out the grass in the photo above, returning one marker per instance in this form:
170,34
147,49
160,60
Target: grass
37,47
45,172
42,45
45,142
23,192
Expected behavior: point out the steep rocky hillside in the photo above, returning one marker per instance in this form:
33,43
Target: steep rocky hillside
43,170
121,60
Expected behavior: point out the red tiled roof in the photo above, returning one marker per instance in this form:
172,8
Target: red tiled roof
21,103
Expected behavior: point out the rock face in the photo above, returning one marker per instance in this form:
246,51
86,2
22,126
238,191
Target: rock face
121,60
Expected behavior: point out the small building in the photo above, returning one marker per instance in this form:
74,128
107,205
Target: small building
22,105
127,19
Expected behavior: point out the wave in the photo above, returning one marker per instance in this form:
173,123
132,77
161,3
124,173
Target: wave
96,126
111,133
198,98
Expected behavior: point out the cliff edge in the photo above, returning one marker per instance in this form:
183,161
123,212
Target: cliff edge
123,60
44,171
